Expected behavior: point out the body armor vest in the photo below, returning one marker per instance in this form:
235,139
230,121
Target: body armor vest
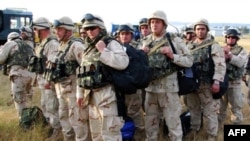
202,63
20,57
160,64
92,72
234,72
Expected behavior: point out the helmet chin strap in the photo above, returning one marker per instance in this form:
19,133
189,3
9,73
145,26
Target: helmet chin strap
64,36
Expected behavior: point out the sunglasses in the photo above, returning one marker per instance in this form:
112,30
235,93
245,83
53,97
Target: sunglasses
90,28
232,37
57,23
90,17
143,21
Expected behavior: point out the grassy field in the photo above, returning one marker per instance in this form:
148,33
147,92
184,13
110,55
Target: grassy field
9,130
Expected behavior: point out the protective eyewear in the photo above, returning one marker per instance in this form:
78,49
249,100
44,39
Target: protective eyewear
90,17
90,28
232,37
143,21
57,23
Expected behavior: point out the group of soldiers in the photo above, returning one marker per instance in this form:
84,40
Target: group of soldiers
85,108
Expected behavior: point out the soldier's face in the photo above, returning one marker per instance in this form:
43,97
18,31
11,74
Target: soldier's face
125,37
145,30
201,31
157,26
92,32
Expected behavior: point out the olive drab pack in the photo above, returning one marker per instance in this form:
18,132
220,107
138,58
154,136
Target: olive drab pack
20,57
37,63
32,117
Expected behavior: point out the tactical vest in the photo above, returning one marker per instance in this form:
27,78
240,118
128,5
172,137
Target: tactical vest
160,64
37,62
234,72
20,57
92,73
202,62
61,69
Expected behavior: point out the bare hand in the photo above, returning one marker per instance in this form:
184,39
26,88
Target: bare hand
100,45
145,49
80,102
167,51
215,88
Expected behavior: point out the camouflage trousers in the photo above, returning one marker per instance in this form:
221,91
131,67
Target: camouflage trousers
105,124
134,110
203,102
167,105
235,98
73,119
49,102
22,92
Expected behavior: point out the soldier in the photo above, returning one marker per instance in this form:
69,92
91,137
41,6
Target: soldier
105,123
44,52
162,97
133,101
144,28
236,57
189,34
14,56
73,118
203,101
27,35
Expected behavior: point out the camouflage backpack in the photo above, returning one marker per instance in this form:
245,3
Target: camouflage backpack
32,117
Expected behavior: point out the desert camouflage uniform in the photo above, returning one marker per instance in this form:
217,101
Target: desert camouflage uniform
20,77
105,124
234,96
49,102
71,115
202,101
162,93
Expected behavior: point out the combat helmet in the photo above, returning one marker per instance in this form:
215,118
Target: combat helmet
64,22
202,22
26,30
125,27
41,23
232,32
90,20
13,36
158,15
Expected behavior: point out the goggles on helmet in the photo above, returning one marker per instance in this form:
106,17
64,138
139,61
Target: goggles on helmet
90,17
38,24
57,23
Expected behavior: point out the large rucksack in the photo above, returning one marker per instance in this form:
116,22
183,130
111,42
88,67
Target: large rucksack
136,76
32,117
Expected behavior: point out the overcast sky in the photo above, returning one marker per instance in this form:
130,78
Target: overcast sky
131,11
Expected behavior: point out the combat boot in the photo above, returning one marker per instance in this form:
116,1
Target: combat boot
55,136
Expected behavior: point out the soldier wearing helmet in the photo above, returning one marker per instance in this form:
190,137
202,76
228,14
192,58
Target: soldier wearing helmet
27,35
144,28
134,108
165,83
207,95
83,34
105,123
236,58
189,34
14,56
74,119
45,51
126,33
